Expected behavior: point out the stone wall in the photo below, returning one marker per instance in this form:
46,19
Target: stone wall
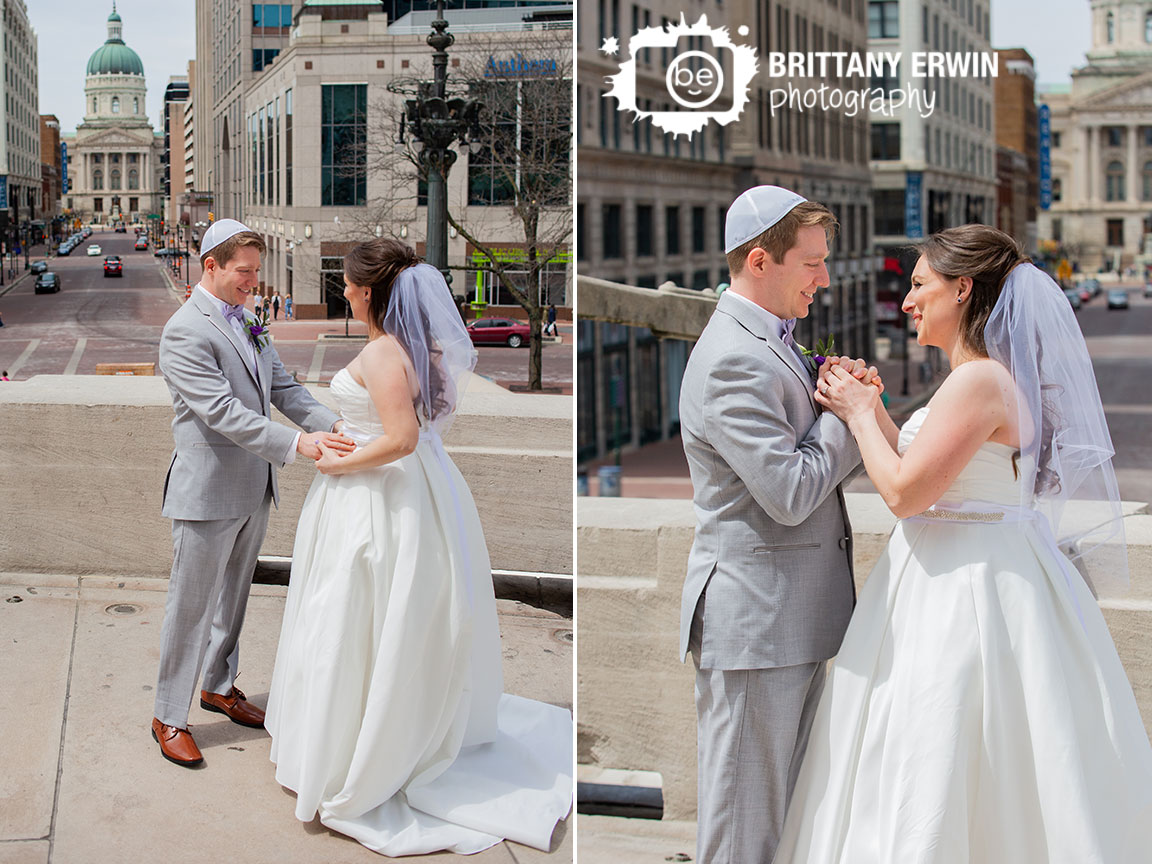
635,698
83,461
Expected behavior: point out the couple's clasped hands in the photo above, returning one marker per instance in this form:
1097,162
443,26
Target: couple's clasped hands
324,448
848,387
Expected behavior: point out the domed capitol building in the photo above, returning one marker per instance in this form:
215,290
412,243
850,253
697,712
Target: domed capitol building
114,155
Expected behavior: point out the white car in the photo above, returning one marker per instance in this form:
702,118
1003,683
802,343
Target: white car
94,249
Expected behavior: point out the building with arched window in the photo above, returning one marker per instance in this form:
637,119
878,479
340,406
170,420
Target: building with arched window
114,155
1101,145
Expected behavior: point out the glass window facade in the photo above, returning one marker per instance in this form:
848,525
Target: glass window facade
271,14
343,140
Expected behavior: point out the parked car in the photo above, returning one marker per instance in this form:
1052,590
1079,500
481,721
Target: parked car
1117,299
1074,298
39,266
65,249
47,283
112,266
141,243
95,249
1085,294
121,229
498,331
1092,286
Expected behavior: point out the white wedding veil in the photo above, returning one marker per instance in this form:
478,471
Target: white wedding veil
1066,451
423,316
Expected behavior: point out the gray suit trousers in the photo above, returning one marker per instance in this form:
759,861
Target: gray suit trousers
212,566
752,731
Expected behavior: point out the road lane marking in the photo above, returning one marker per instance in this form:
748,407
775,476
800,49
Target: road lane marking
317,361
23,358
81,344
1127,409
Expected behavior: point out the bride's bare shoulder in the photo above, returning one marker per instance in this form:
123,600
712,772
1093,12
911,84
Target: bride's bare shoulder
384,350
982,378
979,388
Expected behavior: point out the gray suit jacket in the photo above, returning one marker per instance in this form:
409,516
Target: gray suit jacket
772,556
227,447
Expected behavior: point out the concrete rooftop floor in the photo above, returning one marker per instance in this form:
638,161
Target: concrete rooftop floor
82,781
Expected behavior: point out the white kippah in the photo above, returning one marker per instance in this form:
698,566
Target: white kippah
218,232
755,211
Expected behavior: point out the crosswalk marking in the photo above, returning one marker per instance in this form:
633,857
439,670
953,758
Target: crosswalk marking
81,344
23,358
317,361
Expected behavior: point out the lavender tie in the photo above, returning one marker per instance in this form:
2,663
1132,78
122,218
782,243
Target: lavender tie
786,332
234,313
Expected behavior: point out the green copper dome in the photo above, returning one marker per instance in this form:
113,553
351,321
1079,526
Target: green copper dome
114,57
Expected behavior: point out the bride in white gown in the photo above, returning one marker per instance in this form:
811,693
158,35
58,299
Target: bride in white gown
386,711
977,710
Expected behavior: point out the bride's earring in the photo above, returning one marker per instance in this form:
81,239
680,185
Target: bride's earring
959,299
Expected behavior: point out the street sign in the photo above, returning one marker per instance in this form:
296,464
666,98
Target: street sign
64,165
1045,116
3,191
914,204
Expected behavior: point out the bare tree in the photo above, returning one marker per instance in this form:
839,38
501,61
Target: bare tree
519,170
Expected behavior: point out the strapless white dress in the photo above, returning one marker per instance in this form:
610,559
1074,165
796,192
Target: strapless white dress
977,710
386,709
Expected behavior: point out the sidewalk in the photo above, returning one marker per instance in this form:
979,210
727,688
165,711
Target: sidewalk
660,470
82,780
614,840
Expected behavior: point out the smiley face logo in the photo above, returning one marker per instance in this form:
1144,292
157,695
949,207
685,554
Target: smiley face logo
694,88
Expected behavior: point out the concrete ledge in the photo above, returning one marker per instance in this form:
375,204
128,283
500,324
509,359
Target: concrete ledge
669,312
636,699
83,459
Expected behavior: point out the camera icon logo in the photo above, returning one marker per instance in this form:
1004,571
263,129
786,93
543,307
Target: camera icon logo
697,87
704,85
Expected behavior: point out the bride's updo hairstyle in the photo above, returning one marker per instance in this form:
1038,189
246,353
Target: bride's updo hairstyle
986,256
375,265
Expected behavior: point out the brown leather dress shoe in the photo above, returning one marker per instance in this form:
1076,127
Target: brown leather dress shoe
176,745
235,706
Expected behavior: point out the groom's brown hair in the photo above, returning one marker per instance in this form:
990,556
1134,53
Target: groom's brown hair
222,253
779,238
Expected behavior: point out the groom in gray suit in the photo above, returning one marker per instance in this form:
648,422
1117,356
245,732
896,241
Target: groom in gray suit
224,379
769,586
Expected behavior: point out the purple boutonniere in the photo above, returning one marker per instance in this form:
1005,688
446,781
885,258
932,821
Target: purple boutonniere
816,356
257,328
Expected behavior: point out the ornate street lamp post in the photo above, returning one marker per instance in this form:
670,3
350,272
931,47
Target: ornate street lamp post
436,122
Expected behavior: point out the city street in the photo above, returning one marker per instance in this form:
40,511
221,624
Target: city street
1121,350
94,319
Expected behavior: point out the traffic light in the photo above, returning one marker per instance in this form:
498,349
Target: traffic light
211,216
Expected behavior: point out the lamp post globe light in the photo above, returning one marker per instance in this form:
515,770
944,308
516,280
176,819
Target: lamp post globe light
435,121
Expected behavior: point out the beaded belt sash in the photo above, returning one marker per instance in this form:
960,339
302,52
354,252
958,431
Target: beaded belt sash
980,513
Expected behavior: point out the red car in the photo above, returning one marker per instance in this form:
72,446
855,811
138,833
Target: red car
112,266
499,331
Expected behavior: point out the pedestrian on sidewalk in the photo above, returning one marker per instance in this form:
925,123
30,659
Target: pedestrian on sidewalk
4,376
551,330
288,308
267,306
276,306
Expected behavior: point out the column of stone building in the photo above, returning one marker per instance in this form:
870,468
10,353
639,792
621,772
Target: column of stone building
1133,173
1093,163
